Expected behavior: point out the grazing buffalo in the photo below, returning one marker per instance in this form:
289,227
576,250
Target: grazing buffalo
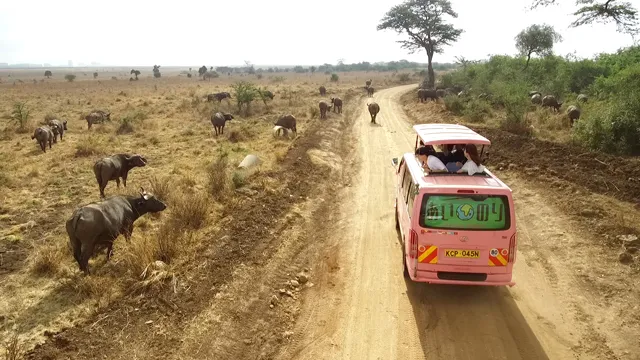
368,82
374,109
536,99
58,127
583,98
287,122
323,91
218,96
574,113
441,93
99,224
370,91
550,101
43,135
268,94
323,109
425,94
337,105
218,120
97,117
115,167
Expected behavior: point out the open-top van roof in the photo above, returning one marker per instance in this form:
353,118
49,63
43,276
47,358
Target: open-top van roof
433,134
447,180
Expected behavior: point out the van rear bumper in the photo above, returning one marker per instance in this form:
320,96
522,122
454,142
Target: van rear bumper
441,277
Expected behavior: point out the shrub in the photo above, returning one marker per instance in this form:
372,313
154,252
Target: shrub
70,77
161,187
454,104
334,78
238,179
245,93
476,110
20,115
404,77
126,126
614,126
189,210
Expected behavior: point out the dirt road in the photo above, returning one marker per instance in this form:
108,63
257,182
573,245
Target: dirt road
366,309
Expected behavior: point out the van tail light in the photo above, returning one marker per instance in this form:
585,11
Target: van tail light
413,243
512,248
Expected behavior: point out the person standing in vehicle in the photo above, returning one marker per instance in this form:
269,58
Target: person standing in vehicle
473,164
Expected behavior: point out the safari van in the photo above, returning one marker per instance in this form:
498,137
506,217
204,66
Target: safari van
454,228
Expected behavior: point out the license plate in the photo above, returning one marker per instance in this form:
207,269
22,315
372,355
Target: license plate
468,254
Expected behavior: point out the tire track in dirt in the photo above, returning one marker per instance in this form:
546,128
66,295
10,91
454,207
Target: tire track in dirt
366,310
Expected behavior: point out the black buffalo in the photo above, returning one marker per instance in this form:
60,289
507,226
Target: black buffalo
99,224
115,167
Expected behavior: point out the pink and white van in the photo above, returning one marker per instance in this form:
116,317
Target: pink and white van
454,228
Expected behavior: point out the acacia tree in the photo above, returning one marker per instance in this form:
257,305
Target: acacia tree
423,21
622,13
48,74
537,39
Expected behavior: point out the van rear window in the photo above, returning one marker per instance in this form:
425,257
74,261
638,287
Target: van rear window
465,212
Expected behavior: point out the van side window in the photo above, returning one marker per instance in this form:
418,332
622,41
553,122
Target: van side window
405,184
412,197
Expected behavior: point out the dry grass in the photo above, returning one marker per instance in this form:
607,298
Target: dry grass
13,350
168,122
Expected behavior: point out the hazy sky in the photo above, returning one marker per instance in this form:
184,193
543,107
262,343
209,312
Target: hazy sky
193,32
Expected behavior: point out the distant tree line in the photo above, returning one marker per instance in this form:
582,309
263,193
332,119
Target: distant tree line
328,68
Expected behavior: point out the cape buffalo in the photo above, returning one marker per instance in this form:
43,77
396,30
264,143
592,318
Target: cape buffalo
287,122
374,109
323,91
218,120
337,105
574,113
115,167
58,127
370,91
97,117
323,109
43,134
550,101
101,223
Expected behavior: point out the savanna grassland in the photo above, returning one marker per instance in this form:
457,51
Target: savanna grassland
223,226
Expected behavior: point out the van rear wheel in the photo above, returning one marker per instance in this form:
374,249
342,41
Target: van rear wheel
405,270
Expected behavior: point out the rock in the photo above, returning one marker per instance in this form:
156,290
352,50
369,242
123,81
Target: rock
159,264
512,166
249,161
294,283
246,191
289,294
303,278
247,341
274,300
625,258
149,322
287,334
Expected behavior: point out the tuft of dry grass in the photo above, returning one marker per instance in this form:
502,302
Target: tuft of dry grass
217,177
13,350
161,187
89,146
189,210
46,260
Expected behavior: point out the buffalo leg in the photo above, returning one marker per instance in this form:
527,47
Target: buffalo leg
43,146
87,251
118,182
124,179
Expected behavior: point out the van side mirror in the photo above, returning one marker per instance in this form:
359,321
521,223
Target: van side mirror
394,161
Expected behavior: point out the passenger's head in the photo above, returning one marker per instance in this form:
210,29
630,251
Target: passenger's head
471,153
425,150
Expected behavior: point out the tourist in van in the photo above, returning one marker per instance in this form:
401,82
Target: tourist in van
429,161
455,159
473,164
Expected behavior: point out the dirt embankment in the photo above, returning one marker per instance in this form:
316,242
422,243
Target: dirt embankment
237,299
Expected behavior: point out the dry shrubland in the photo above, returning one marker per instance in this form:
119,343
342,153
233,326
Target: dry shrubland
168,121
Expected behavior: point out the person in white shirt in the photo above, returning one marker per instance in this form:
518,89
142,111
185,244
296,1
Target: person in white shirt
430,163
473,164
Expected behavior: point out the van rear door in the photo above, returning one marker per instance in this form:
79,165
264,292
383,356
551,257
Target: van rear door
470,230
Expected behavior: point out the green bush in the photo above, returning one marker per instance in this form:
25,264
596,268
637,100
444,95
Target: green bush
476,110
454,104
334,77
69,77
612,126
